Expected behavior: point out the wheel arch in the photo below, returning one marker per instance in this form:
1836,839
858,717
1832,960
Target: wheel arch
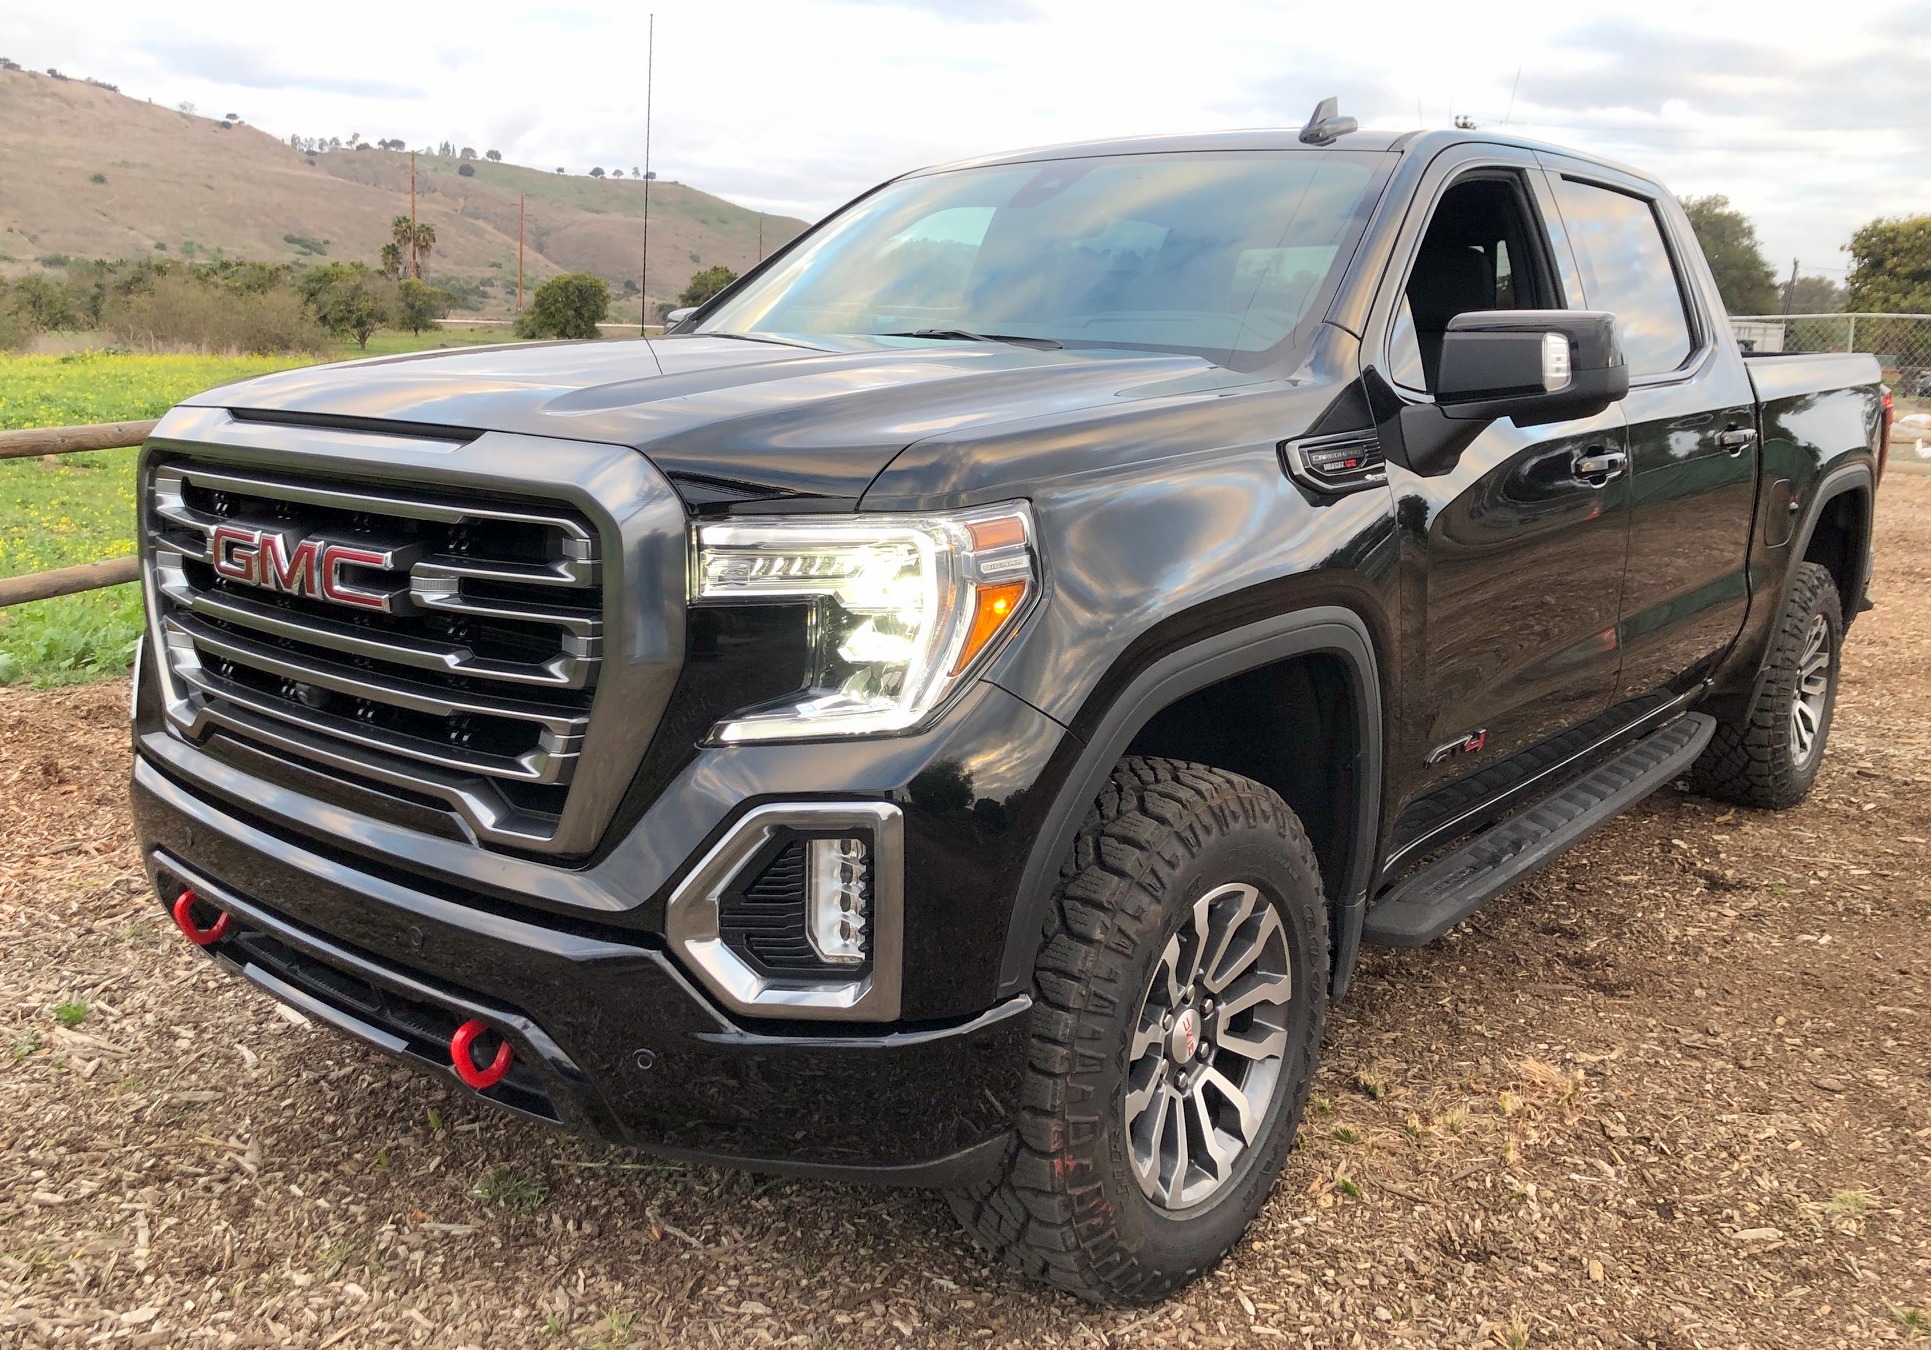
1328,632
1836,532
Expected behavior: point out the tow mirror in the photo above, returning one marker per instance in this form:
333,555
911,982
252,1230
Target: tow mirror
677,316
1532,366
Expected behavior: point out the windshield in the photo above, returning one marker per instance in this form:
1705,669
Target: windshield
1223,254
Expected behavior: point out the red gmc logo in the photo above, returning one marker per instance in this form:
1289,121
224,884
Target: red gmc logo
311,567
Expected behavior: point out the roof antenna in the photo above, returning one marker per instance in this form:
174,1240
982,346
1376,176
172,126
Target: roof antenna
1324,127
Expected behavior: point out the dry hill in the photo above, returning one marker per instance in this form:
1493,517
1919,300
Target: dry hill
187,185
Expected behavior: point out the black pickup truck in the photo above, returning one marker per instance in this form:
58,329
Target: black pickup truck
950,711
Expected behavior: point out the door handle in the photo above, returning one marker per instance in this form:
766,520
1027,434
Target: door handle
1601,465
1736,439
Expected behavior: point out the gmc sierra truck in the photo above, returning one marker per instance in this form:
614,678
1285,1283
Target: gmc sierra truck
950,711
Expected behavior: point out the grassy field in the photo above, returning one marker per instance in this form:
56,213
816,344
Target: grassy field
80,508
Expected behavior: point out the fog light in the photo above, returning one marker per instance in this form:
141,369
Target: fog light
838,900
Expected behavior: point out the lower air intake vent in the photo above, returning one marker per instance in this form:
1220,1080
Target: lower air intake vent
767,920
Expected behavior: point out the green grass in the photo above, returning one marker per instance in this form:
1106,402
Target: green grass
81,508
507,1188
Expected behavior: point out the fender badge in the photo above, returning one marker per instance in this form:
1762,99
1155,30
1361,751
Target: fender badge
1467,745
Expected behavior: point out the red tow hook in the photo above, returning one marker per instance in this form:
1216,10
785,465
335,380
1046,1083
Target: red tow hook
184,920
462,1056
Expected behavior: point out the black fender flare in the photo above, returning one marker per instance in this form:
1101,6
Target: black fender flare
1326,629
1845,478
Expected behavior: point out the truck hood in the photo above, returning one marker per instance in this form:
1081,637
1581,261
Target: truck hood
728,418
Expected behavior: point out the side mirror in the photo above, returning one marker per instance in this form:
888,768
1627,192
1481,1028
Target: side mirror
677,316
1532,366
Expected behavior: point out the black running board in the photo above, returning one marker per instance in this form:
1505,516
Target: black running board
1431,902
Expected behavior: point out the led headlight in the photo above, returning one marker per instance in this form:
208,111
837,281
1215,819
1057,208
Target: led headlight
906,606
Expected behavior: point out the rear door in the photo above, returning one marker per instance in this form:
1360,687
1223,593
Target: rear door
1692,427
1515,554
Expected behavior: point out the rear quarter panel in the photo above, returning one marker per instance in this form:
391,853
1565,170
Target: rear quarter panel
1819,418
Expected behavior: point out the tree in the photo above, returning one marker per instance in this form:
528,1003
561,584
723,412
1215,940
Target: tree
1811,295
568,306
1744,278
413,244
1891,267
348,299
616,173
419,305
466,153
704,285
493,156
465,170
392,261
425,245
596,173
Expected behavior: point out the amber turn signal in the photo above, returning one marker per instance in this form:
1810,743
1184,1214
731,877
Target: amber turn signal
991,607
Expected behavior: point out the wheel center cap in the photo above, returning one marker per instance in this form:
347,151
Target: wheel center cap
1185,1037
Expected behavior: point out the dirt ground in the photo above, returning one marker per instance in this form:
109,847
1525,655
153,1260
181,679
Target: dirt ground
1672,1092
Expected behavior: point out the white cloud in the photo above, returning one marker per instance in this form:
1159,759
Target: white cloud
796,105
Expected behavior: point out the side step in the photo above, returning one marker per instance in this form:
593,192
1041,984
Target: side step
1431,902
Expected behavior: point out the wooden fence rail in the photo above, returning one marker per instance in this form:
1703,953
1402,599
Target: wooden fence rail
72,440
68,441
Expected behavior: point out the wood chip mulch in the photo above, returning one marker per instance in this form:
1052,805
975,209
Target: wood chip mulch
1672,1092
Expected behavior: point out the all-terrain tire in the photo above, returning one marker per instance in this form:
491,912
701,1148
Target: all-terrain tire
1756,761
1065,1205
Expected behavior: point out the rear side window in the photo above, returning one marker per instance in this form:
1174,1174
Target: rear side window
1626,270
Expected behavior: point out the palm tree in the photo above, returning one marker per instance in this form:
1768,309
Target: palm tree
392,261
402,231
414,241
425,245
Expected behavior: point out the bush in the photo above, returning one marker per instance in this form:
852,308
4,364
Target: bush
184,309
44,304
705,284
569,306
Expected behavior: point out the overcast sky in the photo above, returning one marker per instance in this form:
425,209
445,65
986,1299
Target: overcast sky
1812,118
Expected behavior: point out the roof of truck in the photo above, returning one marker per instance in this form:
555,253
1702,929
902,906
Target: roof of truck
1428,143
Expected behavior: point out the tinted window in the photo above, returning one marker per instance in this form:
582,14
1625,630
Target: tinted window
1626,270
1474,256
1211,253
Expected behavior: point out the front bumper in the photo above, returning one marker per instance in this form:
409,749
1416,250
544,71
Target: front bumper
611,1038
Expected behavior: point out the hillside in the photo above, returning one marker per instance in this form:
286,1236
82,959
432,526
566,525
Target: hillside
183,185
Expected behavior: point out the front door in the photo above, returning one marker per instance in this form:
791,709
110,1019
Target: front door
1692,429
1516,554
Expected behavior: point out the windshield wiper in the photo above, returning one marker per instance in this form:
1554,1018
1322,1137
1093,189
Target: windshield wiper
967,335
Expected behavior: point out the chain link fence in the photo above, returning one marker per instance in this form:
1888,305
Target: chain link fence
1901,342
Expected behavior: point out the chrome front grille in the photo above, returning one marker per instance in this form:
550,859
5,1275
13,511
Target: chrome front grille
443,644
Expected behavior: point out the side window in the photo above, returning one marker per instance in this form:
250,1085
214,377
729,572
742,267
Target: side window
1476,254
1626,270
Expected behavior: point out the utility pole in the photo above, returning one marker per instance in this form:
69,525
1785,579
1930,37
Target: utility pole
415,259
521,197
643,280
1790,291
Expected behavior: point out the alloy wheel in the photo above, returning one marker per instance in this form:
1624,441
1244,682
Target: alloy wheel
1813,691
1207,1047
